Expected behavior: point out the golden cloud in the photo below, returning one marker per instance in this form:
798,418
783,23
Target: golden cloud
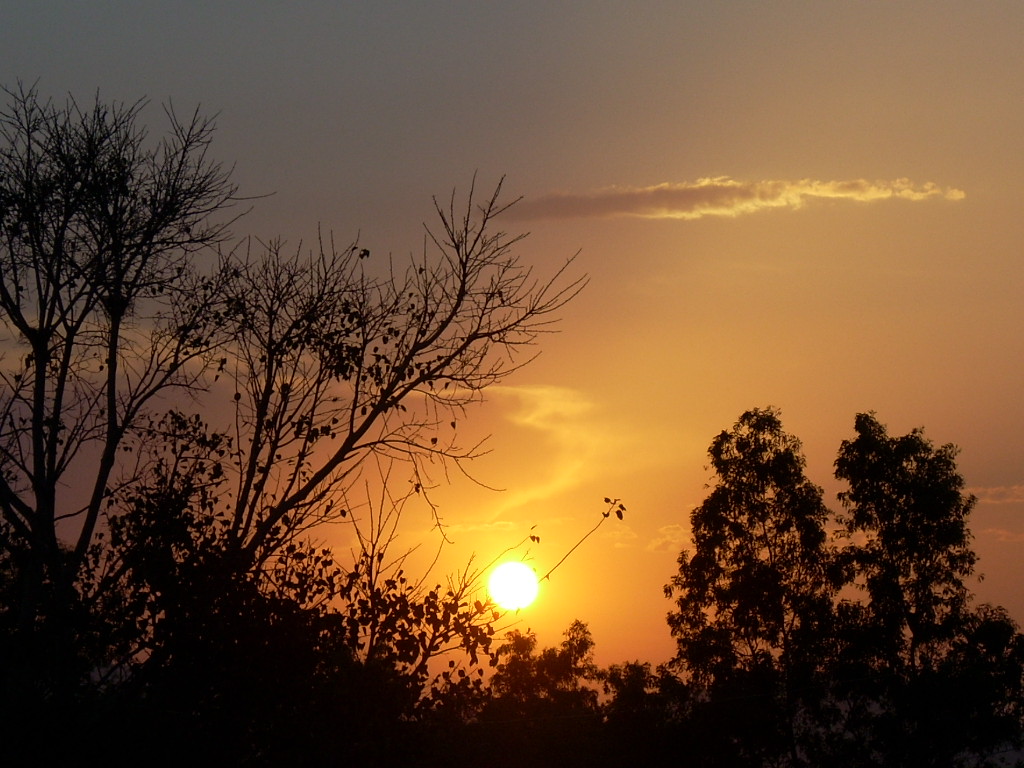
559,418
721,196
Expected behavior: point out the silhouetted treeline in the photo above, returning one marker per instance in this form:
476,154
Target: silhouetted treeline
799,643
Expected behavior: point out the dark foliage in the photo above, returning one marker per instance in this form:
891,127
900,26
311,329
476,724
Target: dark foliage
785,666
753,618
155,571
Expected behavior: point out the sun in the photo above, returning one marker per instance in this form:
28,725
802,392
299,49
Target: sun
513,585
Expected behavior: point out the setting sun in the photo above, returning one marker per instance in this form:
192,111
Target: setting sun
513,585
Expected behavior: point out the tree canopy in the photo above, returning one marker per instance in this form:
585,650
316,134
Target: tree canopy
806,637
753,601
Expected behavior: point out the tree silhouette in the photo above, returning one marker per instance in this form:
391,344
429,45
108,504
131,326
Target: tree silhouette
164,554
781,663
529,685
754,600
331,363
103,314
543,706
647,714
906,502
917,663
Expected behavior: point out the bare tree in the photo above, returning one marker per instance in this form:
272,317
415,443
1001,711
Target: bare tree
99,304
332,364
170,433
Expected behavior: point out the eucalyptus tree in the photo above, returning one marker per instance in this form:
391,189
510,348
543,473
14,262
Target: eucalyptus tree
927,678
906,516
753,600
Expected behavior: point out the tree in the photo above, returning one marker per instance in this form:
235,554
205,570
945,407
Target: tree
327,366
102,314
784,666
526,683
133,517
549,697
753,602
925,679
331,364
306,657
905,503
645,716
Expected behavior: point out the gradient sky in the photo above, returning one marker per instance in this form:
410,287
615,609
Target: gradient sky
815,206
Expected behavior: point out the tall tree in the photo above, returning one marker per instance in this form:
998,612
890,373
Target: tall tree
753,602
925,678
330,365
102,313
334,358
906,516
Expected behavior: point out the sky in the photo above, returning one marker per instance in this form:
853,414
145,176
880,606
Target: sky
813,206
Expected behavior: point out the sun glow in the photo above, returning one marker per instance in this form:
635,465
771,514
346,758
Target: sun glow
513,585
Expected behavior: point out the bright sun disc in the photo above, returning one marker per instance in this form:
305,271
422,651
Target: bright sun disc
513,585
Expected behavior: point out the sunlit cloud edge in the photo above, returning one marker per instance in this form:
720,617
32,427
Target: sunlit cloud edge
722,196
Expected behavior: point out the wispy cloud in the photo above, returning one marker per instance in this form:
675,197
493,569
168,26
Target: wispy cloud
495,526
669,538
561,418
621,536
1002,494
1004,535
721,196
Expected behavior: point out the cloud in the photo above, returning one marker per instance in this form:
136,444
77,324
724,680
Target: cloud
721,196
669,538
1004,494
1003,535
558,422
499,526
621,536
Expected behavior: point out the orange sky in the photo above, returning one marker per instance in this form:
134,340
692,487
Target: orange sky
809,205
